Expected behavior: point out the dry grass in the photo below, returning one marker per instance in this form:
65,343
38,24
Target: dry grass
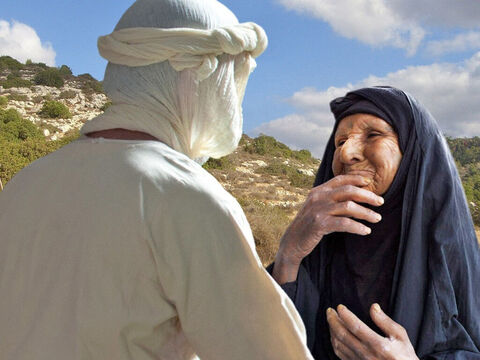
268,224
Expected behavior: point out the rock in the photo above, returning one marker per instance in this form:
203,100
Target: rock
308,172
260,163
244,170
46,132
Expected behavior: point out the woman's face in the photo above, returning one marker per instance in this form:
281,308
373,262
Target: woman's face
367,145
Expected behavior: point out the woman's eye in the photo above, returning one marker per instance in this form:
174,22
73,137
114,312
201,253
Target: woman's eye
340,142
373,134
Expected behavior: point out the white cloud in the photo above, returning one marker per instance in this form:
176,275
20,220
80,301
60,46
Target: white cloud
298,131
397,23
450,91
462,42
370,21
21,42
443,13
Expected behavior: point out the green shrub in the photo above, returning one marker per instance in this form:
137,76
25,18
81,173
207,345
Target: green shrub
50,127
301,180
67,94
276,169
15,155
267,145
90,85
302,155
106,105
65,70
15,81
55,109
37,67
7,62
9,115
17,97
18,129
3,101
224,163
49,77
37,99
295,178
18,154
28,62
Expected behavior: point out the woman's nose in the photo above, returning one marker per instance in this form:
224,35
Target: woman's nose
352,151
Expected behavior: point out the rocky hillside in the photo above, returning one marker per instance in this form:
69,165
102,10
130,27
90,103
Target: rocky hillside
270,181
27,88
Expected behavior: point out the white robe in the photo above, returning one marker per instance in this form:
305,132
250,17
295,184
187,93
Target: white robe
114,249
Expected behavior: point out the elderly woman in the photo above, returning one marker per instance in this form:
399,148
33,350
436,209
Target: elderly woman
120,245
385,238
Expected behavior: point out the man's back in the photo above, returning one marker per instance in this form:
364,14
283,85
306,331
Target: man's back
115,249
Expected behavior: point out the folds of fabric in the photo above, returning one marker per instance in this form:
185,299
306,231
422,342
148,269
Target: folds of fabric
184,84
184,48
146,258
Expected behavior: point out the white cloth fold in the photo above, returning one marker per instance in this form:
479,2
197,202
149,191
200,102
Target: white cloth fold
184,48
184,86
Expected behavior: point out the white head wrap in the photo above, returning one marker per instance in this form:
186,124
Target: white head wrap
178,71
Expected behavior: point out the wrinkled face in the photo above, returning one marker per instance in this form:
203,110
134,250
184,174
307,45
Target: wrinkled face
367,145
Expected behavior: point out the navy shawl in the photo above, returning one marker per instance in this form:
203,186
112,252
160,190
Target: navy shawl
435,285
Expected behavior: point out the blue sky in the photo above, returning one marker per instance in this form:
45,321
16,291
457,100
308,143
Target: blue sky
318,50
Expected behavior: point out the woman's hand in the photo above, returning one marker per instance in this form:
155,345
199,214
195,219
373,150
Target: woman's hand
328,208
353,339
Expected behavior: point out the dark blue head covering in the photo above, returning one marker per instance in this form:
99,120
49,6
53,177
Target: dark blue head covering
435,280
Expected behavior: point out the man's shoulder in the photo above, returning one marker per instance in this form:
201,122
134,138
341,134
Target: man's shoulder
174,174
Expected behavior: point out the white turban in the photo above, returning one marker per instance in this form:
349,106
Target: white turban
178,71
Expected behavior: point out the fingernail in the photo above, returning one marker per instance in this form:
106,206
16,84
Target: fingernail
367,180
368,231
381,200
379,217
376,308
329,311
340,307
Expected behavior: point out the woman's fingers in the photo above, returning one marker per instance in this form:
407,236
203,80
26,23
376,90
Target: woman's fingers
330,207
345,224
340,180
352,209
358,327
366,343
354,193
390,328
344,343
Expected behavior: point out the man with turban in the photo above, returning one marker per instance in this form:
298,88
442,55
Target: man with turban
119,245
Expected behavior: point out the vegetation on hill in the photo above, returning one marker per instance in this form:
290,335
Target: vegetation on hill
15,80
22,142
55,109
43,75
466,152
9,63
268,145
50,77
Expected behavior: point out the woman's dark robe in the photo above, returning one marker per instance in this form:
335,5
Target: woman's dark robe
433,285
